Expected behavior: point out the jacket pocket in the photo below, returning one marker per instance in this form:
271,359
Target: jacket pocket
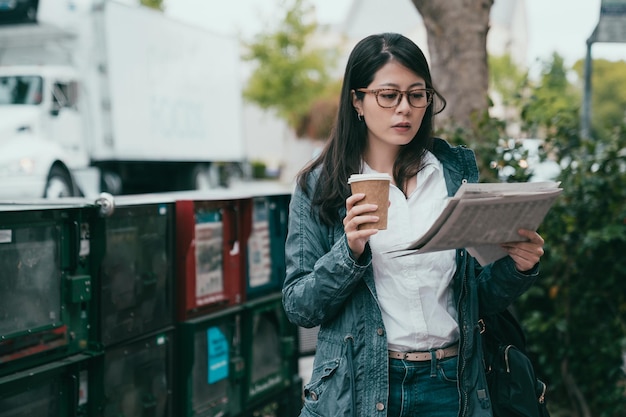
314,390
315,387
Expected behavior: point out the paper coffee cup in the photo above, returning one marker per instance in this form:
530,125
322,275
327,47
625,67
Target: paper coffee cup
376,189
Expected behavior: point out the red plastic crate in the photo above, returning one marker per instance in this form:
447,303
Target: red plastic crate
210,254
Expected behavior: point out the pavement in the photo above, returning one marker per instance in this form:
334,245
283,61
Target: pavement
305,367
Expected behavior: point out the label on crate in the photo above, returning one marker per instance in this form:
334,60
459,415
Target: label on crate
6,236
218,355
259,257
85,237
209,246
83,388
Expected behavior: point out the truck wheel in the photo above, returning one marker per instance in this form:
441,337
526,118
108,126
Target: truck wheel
111,182
201,178
30,15
59,184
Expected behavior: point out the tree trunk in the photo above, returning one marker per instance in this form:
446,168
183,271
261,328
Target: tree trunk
457,44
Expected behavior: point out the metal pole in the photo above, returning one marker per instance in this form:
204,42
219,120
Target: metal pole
585,131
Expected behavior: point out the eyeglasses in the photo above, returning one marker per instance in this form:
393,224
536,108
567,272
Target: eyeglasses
389,97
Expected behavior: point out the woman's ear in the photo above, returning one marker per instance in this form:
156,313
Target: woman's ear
356,103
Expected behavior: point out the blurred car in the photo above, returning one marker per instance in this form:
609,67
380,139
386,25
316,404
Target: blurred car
18,11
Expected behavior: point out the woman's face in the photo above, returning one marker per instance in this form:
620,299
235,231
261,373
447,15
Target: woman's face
397,125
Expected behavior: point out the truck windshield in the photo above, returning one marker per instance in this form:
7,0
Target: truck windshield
20,89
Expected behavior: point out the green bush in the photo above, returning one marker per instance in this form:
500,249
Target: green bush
575,316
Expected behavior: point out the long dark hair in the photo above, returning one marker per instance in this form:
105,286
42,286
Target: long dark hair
343,153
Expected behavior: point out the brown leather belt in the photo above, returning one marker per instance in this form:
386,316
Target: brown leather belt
448,352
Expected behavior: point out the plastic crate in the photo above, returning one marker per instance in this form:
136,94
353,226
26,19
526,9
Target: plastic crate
47,263
266,244
135,378
269,349
210,366
210,253
55,389
135,280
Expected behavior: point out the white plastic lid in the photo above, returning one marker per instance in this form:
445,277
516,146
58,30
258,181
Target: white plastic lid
369,177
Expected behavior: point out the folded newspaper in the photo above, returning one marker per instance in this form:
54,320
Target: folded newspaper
481,216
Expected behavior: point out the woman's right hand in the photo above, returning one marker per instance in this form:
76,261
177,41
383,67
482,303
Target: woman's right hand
355,216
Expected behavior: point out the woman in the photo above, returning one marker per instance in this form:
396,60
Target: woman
398,336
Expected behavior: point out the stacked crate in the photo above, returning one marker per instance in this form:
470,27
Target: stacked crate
134,327
272,380
169,305
47,269
237,348
210,256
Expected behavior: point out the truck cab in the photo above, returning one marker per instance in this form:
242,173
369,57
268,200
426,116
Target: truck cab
41,131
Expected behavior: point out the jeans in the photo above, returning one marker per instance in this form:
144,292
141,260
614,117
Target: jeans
426,388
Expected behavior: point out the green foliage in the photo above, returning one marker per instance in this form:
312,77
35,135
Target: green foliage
552,107
290,76
321,116
507,79
608,96
153,4
259,169
511,161
482,137
576,314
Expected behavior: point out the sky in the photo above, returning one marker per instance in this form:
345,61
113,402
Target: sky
564,26
553,25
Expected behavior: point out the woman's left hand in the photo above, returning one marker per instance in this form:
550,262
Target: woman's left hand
525,254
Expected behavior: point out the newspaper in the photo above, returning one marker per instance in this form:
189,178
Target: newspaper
481,216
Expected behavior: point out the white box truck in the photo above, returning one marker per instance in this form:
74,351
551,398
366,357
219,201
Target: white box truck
101,96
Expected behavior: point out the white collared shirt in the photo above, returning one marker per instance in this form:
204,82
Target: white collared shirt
414,292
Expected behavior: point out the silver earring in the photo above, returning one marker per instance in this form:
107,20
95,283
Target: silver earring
359,116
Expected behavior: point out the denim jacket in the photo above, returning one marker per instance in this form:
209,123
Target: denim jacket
325,286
